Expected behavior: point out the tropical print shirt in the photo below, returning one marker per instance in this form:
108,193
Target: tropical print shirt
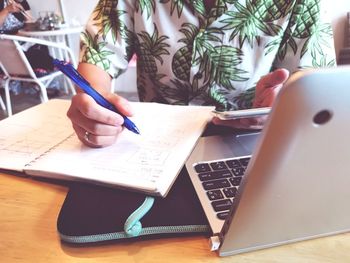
189,55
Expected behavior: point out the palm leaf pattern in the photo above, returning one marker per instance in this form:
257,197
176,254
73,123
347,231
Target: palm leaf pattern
147,6
224,66
203,43
322,61
249,21
180,92
107,17
95,53
245,99
218,97
317,39
187,54
242,23
152,48
177,5
181,63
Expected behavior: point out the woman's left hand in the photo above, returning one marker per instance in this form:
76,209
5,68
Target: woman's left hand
266,92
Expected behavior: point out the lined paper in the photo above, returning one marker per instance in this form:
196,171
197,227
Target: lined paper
27,135
148,162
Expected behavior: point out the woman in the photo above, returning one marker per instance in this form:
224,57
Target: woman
230,54
13,14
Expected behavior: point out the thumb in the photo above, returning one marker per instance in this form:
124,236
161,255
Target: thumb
277,77
268,86
281,75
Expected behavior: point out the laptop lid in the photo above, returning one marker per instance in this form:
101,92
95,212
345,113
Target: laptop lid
297,183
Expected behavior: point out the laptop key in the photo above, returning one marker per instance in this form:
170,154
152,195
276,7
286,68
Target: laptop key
238,171
218,165
202,167
244,161
221,205
233,163
230,192
216,184
235,181
215,195
214,175
222,215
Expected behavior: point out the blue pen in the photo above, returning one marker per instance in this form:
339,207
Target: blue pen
74,75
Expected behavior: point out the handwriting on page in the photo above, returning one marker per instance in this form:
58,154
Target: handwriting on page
29,143
139,157
25,136
166,137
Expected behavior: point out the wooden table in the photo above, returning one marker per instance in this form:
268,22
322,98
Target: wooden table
28,214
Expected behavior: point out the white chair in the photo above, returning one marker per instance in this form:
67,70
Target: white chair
16,66
2,105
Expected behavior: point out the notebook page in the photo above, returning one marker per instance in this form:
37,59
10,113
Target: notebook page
28,134
148,162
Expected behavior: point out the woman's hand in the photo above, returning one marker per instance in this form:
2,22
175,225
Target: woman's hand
13,7
95,125
266,92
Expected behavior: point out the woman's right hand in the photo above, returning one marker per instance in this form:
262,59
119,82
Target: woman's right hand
13,7
95,125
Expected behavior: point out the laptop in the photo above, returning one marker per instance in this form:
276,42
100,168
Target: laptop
287,183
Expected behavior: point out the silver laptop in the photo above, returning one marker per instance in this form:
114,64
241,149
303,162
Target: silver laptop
291,182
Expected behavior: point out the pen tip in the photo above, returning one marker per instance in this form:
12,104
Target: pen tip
131,126
136,130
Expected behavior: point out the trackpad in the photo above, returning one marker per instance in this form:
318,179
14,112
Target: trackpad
248,140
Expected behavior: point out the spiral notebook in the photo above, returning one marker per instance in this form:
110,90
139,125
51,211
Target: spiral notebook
41,142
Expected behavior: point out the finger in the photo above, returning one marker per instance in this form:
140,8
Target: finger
96,128
267,98
11,8
91,110
122,104
253,123
277,77
16,7
236,124
230,123
91,125
93,140
244,123
268,87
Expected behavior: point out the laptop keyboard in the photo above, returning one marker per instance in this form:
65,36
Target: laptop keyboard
220,180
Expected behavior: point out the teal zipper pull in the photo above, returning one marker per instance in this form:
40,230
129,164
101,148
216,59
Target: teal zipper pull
133,226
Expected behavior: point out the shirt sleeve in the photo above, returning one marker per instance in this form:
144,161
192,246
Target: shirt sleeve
308,41
108,39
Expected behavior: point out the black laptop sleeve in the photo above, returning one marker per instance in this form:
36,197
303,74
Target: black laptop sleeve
93,213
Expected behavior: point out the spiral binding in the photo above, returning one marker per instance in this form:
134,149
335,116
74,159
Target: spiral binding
47,151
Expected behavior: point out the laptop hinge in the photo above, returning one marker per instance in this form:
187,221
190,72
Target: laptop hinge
214,243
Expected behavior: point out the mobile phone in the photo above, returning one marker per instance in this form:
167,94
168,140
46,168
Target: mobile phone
238,114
